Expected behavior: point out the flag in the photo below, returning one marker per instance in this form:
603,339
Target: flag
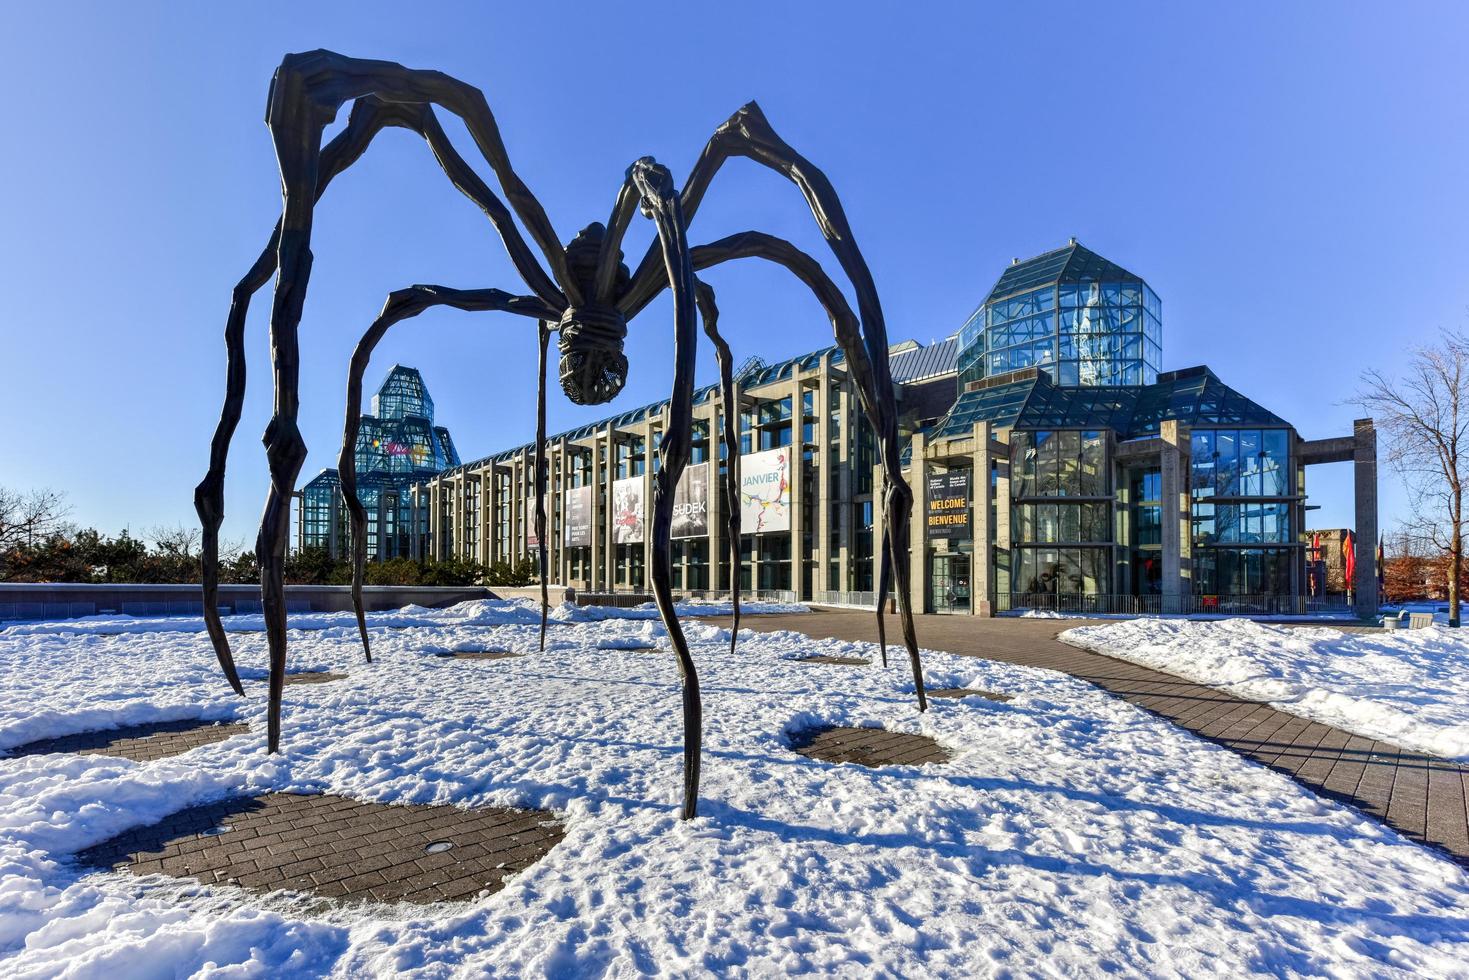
1349,556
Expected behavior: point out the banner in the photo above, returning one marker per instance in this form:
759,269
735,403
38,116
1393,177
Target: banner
948,505
627,511
691,502
531,541
578,531
765,491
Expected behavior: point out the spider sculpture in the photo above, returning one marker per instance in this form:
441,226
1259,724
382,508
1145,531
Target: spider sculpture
586,299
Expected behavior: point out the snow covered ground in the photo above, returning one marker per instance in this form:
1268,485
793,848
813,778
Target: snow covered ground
1072,834
1408,687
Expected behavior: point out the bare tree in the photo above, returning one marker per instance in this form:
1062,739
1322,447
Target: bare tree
26,516
179,541
1424,416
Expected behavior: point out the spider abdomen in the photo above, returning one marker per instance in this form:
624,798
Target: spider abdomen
593,366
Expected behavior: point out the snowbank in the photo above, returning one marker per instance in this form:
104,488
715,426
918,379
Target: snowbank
1409,687
1072,833
476,612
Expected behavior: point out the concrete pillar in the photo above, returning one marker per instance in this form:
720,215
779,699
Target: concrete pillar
847,488
798,483
918,526
825,460
604,513
877,528
648,455
1177,533
981,584
1364,485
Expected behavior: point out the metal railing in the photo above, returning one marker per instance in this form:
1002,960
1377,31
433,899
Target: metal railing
1111,604
854,600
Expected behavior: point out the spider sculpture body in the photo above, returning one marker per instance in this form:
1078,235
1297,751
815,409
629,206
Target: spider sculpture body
586,299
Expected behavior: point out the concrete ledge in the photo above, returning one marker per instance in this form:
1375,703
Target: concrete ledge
69,600
555,594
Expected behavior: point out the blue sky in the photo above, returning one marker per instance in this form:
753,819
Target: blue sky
1289,178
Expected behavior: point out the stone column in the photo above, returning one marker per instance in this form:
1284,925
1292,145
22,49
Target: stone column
1364,485
1177,533
878,542
798,483
648,455
824,460
434,490
845,484
981,585
918,526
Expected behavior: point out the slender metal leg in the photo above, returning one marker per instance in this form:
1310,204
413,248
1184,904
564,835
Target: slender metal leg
544,338
369,116
729,404
400,305
749,134
870,392
660,202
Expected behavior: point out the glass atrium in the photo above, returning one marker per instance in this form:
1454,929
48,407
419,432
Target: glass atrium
397,445
1079,317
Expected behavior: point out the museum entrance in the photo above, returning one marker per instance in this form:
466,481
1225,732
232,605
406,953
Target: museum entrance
949,583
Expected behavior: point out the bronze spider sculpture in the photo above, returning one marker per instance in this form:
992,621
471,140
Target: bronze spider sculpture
587,299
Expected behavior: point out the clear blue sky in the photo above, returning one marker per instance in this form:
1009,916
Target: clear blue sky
1289,178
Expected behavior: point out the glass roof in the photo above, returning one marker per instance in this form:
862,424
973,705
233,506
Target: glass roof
1194,397
1071,263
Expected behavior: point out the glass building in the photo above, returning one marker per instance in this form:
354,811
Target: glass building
1054,465
398,445
1084,319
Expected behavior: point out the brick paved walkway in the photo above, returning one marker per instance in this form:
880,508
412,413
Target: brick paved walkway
1422,797
870,747
141,743
338,848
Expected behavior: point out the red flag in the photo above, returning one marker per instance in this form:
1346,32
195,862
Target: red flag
1349,555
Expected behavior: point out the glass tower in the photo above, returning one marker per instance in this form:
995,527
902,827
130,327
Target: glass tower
398,445
1084,320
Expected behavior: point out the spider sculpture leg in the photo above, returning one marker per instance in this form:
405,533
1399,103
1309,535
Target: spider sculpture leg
605,292
753,244
306,93
544,337
369,116
400,305
660,202
747,133
729,404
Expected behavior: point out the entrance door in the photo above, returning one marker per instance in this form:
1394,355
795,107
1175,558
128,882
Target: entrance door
949,584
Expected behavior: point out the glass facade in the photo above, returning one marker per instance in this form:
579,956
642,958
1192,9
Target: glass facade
397,446
1240,491
1061,516
1090,324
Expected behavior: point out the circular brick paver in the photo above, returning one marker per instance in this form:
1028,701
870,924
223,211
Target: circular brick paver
840,661
480,655
141,743
313,677
871,747
338,848
966,692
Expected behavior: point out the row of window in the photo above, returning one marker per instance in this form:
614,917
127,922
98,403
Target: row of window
1240,463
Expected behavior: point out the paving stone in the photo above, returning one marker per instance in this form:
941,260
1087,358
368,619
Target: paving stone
287,851
966,692
871,747
141,743
1412,793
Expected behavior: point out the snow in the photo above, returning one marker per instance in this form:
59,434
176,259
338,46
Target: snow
1407,687
1072,833
478,612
